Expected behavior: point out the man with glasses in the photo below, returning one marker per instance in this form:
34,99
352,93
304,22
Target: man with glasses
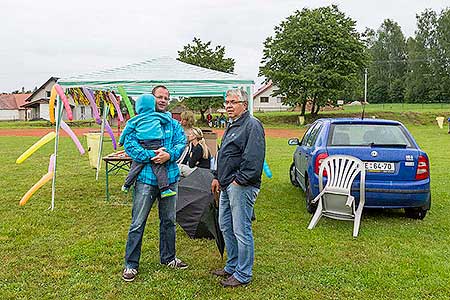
146,191
238,177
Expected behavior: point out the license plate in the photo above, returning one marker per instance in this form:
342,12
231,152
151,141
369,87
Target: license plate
379,166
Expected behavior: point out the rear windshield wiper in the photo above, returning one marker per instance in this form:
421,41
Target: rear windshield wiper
387,145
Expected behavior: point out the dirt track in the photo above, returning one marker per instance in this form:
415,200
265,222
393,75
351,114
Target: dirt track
283,133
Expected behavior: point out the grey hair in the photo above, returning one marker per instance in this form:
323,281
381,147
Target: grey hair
239,93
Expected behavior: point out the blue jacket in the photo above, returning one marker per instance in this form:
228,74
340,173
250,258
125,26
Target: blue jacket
148,123
174,141
241,154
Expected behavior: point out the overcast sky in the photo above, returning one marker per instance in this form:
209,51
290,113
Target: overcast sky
40,39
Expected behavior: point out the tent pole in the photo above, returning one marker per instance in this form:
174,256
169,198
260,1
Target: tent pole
102,132
58,124
250,99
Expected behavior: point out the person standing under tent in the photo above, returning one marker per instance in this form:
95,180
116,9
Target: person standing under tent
199,154
147,125
209,119
238,177
146,192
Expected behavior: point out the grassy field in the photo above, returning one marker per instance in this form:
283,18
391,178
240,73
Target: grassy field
76,251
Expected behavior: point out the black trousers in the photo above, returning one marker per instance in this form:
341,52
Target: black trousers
159,170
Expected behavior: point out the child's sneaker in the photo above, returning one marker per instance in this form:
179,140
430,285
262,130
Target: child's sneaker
168,193
125,189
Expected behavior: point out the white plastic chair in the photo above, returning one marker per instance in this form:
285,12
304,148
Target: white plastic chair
335,200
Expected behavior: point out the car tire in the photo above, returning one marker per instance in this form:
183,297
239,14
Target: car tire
416,213
293,176
310,207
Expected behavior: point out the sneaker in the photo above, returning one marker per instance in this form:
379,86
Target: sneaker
177,264
168,193
129,274
125,189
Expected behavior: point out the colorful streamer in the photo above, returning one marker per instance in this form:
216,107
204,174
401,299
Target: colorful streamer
44,140
64,100
111,134
90,97
51,163
51,105
127,101
69,131
116,106
46,178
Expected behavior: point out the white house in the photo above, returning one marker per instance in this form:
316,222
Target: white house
10,107
263,99
37,104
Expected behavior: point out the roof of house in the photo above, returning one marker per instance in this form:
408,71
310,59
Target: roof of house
30,96
262,89
12,101
35,102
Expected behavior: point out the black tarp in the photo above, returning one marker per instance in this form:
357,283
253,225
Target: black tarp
197,213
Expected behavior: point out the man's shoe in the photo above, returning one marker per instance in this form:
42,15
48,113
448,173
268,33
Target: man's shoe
129,274
221,273
177,264
168,193
232,282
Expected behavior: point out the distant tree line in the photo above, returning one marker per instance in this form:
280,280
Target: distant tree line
316,56
415,70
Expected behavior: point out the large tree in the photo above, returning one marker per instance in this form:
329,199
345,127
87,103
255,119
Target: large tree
387,72
441,59
421,81
203,55
315,55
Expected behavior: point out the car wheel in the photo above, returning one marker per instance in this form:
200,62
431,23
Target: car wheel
310,207
292,175
416,213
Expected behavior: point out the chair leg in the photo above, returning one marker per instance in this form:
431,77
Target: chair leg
357,222
316,216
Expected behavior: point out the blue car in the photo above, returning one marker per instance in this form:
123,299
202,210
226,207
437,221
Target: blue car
397,170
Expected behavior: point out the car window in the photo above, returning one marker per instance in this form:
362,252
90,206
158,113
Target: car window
314,134
307,134
366,134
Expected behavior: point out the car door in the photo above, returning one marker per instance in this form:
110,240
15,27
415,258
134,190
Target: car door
305,149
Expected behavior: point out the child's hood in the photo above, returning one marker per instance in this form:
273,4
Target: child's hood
145,104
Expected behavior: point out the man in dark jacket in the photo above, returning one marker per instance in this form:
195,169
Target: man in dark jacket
238,177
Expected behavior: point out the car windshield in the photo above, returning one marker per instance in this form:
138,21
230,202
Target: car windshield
368,135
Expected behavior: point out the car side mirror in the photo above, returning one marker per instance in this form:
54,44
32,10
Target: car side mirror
293,142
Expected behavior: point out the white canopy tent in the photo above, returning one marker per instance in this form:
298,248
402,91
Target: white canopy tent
180,78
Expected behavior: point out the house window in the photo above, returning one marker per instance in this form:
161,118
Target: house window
48,94
82,112
280,99
264,99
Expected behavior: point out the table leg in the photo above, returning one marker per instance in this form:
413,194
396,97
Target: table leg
106,180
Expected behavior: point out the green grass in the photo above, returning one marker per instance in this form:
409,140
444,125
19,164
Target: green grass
43,123
76,251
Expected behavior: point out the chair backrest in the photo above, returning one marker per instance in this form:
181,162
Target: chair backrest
341,171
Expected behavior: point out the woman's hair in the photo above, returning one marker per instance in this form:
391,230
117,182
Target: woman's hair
197,132
188,116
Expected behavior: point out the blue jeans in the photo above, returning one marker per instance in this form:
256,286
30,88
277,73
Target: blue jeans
235,213
143,199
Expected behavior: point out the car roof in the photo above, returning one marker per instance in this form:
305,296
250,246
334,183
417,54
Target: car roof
359,121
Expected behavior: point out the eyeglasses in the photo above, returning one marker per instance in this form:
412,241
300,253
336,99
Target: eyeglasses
162,97
232,103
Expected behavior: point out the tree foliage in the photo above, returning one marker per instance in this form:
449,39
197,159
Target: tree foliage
203,55
387,71
315,55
